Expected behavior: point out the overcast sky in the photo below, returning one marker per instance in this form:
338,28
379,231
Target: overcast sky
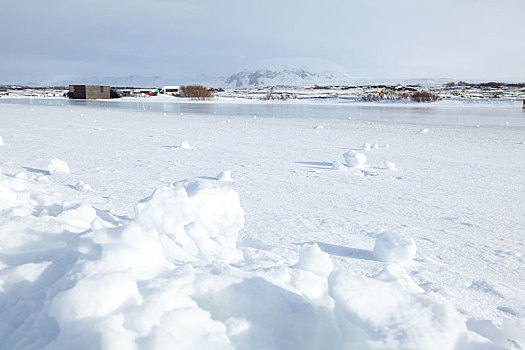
457,39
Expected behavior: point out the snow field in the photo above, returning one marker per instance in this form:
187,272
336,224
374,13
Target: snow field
57,241
164,279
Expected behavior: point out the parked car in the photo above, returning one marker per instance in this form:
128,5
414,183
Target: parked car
170,90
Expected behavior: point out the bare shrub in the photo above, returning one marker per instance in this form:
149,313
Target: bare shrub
371,97
423,96
275,95
198,92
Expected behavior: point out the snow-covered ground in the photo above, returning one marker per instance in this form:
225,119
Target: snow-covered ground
126,229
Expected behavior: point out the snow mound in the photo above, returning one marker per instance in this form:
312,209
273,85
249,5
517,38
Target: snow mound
225,175
1,141
201,220
313,259
83,187
185,145
336,165
58,166
394,247
366,146
424,131
390,165
355,159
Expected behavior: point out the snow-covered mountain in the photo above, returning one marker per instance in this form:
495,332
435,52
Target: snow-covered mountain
297,71
283,76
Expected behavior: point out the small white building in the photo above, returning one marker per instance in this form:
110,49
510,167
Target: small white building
170,90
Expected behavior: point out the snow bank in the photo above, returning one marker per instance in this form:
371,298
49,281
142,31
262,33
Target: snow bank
58,166
355,159
394,247
92,284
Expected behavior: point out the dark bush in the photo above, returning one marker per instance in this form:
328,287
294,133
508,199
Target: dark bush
371,97
198,92
423,96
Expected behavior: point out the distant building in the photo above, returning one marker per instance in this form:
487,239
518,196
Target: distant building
4,92
89,92
170,90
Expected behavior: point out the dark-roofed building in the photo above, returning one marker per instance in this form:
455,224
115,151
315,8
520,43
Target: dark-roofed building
89,92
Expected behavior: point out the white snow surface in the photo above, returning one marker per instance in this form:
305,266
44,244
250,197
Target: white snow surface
292,255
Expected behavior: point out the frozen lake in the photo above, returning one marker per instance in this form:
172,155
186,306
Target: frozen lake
298,229
482,114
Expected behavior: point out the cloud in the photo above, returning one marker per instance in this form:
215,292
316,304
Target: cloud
377,39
